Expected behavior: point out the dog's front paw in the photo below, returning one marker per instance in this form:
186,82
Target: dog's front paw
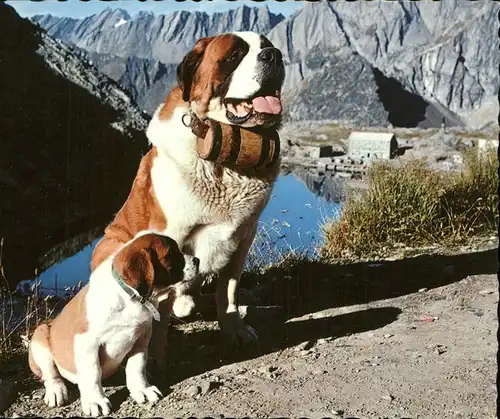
237,330
56,393
96,406
146,394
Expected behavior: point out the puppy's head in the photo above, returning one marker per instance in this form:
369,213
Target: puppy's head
234,78
154,266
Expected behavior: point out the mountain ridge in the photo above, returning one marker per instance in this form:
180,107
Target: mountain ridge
423,49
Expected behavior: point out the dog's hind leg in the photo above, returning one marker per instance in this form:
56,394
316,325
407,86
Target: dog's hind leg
43,366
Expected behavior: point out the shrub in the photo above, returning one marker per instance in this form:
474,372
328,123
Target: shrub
413,205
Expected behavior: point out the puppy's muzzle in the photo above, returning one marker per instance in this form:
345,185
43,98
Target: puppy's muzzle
186,289
191,268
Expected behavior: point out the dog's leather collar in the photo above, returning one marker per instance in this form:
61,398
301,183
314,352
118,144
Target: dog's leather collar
134,294
197,126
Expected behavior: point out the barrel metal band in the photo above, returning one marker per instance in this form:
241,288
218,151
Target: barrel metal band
217,143
276,142
236,144
264,153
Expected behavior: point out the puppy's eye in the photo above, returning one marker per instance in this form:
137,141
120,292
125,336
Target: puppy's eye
176,266
232,57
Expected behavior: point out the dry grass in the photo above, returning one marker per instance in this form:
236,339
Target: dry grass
19,319
20,315
475,135
271,247
413,205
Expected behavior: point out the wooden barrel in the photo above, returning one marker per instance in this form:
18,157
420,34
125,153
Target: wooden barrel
235,146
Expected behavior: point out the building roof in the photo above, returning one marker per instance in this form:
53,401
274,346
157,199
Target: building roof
387,136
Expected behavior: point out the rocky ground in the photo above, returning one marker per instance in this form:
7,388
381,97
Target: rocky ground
442,148
409,338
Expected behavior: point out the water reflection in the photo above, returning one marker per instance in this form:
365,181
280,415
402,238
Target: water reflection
299,204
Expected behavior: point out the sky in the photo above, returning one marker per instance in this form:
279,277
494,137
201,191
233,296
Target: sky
83,8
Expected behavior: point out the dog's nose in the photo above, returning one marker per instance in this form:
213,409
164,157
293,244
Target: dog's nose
196,262
270,55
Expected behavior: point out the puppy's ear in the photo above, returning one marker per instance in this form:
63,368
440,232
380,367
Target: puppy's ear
187,68
136,268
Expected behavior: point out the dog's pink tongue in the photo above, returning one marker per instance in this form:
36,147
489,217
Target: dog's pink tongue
268,104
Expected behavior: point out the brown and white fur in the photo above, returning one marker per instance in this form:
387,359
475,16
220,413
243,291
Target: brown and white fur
102,325
210,210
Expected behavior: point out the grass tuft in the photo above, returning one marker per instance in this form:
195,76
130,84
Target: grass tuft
413,205
20,315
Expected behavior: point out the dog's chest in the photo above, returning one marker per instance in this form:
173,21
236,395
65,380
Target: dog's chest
207,216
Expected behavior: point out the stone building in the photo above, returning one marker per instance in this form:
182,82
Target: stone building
367,146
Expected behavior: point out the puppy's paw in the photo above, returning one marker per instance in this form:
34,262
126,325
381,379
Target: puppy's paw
96,406
146,394
56,393
183,306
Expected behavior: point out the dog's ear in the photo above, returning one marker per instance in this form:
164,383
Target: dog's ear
136,268
187,68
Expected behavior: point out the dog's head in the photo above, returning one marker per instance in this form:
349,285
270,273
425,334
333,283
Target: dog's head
154,265
234,78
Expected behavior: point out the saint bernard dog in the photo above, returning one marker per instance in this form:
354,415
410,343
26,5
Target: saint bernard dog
210,210
110,321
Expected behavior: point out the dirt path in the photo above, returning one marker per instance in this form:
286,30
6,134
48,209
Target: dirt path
369,346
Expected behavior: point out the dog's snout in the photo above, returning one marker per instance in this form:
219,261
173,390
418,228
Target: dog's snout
270,55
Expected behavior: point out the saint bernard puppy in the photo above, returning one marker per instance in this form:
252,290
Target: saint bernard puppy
210,210
110,320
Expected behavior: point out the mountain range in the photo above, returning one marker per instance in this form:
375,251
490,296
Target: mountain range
370,63
142,52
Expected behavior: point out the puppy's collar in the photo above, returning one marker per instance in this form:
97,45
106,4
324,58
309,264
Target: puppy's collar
134,294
